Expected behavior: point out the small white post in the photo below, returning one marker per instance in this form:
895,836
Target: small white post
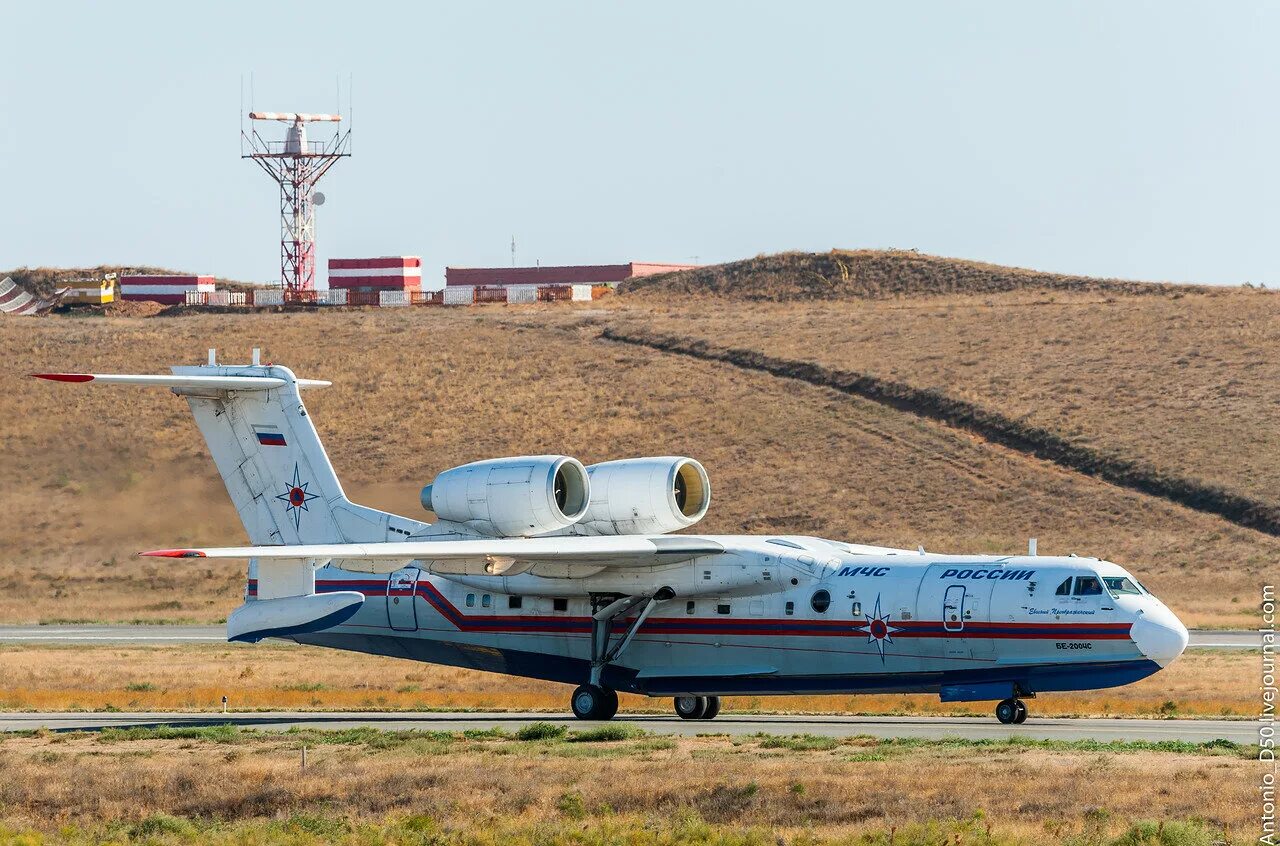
224,703
1031,547
213,358
257,357
304,757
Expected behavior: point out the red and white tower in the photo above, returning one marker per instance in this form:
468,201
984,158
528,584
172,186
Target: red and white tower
296,164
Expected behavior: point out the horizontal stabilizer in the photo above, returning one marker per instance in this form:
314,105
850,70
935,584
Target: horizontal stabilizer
212,383
615,551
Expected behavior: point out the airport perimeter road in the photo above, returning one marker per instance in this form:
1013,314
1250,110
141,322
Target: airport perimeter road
218,634
971,728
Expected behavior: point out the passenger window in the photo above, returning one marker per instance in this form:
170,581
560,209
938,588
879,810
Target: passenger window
560,604
821,601
486,600
1064,589
791,608
857,609
471,600
515,601
1088,586
722,609
690,607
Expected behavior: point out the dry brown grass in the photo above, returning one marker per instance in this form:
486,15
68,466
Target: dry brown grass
89,476
1183,382
834,791
277,676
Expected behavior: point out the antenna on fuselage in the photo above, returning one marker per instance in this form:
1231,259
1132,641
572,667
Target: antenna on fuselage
1031,547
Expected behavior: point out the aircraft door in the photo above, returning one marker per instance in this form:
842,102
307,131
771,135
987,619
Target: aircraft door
402,615
959,597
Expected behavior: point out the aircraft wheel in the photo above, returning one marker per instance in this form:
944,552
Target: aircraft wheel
611,705
593,703
1007,711
691,707
713,708
1022,712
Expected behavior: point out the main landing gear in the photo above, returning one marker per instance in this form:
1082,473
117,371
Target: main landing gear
591,702
697,707
594,701
1011,711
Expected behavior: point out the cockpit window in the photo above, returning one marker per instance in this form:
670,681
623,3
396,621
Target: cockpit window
1088,586
1064,589
1119,585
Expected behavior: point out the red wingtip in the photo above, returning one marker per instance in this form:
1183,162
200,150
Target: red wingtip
65,377
174,553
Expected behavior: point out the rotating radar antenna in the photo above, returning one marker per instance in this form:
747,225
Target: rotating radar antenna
296,164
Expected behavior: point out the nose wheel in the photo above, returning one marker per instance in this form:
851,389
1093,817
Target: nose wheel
1011,711
697,707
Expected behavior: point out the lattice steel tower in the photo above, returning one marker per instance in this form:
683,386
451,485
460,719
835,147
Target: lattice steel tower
296,164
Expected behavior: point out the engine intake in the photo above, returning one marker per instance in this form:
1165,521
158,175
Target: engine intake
512,497
645,496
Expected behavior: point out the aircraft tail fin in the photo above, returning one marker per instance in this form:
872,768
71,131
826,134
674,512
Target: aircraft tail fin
268,453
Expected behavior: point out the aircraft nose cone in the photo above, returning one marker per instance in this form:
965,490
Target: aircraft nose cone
1159,635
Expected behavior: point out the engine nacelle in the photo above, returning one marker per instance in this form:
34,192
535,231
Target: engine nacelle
511,497
640,496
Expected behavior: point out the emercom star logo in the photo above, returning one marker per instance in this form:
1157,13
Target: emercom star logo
295,497
879,631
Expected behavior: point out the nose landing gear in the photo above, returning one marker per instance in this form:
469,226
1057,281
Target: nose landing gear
1011,711
697,707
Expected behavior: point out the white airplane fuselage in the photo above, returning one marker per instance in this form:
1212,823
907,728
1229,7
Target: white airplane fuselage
789,614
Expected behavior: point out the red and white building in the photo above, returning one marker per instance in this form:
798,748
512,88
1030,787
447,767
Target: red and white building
389,273
163,289
582,274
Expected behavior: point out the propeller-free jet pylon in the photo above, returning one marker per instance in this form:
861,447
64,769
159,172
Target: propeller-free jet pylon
538,566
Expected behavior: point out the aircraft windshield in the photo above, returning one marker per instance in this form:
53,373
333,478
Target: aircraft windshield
1119,585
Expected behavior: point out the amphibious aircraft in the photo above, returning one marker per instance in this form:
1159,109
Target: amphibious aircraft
538,566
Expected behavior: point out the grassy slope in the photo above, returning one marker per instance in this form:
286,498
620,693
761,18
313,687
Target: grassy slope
869,274
92,475
1184,383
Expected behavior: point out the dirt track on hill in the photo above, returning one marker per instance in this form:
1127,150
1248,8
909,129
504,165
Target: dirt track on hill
992,426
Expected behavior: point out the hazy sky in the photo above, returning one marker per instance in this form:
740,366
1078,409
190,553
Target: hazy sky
1122,139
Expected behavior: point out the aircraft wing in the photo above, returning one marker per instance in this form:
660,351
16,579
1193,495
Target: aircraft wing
561,556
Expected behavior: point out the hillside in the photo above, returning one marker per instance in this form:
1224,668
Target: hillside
90,476
870,274
43,281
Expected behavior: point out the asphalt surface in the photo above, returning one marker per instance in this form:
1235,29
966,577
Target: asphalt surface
972,728
218,634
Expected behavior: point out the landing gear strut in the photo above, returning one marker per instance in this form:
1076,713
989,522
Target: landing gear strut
1011,711
594,701
697,707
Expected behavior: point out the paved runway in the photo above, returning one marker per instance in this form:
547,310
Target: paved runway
218,634
973,728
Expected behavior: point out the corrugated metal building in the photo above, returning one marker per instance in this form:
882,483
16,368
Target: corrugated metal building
163,289
583,274
387,273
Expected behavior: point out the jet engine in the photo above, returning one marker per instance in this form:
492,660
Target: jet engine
645,496
511,497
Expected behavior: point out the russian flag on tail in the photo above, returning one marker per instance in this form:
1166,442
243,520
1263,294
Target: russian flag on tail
269,435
